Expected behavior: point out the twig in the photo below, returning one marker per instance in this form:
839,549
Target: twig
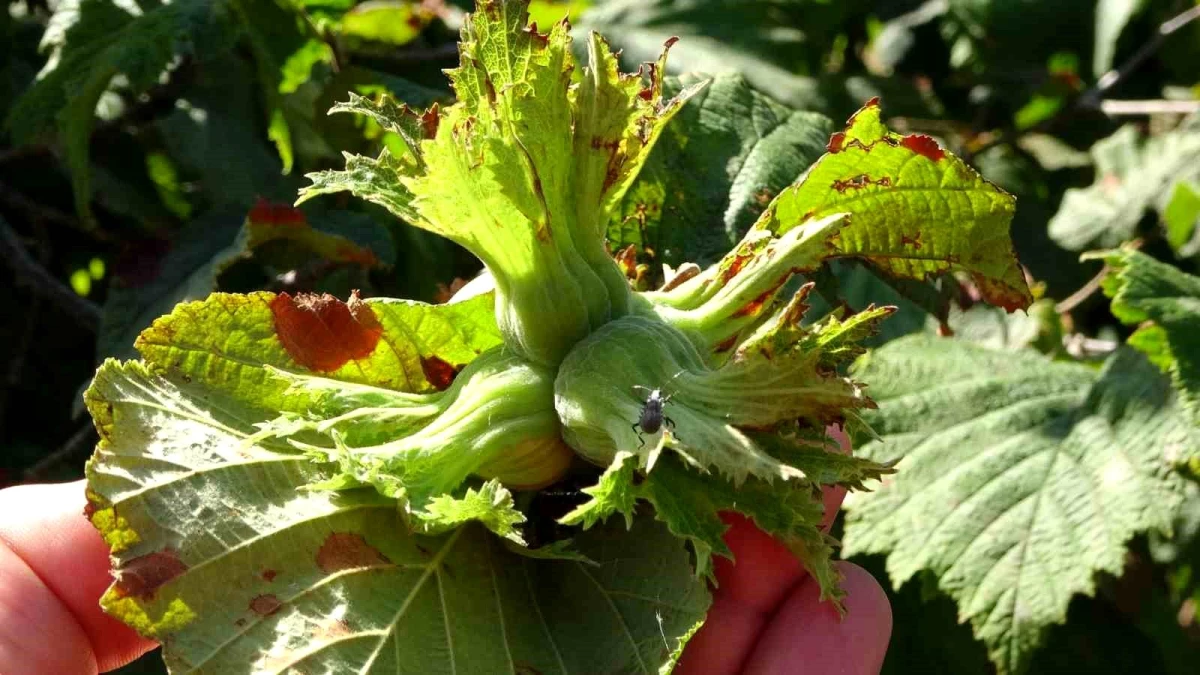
39,281
36,211
412,54
1082,347
78,442
1114,108
1091,99
1069,303
1112,78
1075,299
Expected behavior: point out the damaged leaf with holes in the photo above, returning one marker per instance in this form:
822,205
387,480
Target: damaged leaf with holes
297,482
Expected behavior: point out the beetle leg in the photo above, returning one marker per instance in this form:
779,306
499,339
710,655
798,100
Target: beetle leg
641,441
670,422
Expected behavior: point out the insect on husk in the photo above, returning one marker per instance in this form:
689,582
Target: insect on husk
652,418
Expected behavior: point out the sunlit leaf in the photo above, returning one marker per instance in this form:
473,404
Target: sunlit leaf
1019,478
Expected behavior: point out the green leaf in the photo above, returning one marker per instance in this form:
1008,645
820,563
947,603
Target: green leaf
491,505
105,41
1052,153
1132,175
729,151
286,49
1019,478
1182,214
690,503
217,555
389,21
914,209
212,136
404,346
1166,304
760,44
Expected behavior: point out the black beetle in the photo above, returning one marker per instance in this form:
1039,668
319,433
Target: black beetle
652,418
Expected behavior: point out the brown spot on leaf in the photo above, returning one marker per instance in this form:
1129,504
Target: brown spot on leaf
836,141
269,575
429,121
239,623
414,22
142,576
913,241
741,257
756,305
923,145
279,215
538,38
872,103
491,90
685,272
347,550
860,181
321,332
627,261
726,344
265,605
439,373
1001,294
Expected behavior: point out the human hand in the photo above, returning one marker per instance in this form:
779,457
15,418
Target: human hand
767,618
54,568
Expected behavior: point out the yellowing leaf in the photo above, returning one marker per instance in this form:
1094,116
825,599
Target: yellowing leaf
914,210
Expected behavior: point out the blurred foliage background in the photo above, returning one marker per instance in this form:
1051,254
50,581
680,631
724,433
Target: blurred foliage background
151,151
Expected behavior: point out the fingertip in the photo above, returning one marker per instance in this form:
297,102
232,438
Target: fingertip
807,631
762,569
44,525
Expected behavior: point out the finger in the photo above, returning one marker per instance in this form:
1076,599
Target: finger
762,569
833,495
806,635
750,587
55,567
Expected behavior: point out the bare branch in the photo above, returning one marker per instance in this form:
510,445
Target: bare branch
1091,98
30,274
1114,107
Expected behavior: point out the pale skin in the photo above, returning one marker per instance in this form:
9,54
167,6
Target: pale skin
765,617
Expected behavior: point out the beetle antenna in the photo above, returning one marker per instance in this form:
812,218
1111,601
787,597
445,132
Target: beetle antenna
669,396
